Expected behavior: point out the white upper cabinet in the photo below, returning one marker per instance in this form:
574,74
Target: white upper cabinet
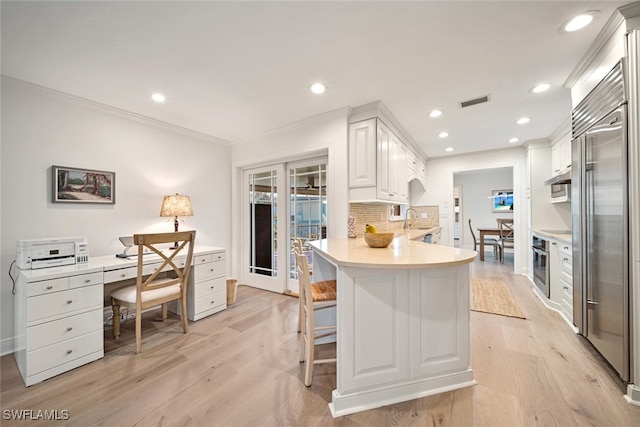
561,156
377,163
362,154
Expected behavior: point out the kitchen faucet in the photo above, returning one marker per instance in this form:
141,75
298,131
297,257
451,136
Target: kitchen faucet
407,223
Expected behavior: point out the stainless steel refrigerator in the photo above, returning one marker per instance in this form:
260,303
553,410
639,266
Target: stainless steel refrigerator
600,221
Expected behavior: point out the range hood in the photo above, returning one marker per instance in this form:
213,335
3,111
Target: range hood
563,178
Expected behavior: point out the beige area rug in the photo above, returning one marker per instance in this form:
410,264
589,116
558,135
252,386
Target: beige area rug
494,296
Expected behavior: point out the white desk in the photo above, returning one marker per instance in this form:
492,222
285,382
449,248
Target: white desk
59,310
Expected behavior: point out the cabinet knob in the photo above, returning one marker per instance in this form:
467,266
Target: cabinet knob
566,288
69,329
49,287
69,351
212,287
69,301
565,259
211,269
87,280
213,302
122,275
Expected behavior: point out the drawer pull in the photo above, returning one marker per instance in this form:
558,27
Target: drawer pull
213,302
212,287
69,301
69,351
87,280
211,269
566,288
69,329
122,275
203,260
49,287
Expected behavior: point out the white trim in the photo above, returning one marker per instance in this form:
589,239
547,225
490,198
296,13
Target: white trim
7,346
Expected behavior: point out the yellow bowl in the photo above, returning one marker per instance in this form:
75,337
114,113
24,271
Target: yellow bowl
378,240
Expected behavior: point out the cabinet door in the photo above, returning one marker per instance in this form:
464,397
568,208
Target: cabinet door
384,191
362,154
401,181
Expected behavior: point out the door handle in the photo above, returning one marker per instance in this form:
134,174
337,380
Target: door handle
592,302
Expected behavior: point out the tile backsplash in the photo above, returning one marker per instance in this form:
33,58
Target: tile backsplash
378,215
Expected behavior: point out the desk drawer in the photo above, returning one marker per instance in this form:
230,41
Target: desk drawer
212,269
60,303
85,280
208,302
47,286
118,275
64,352
210,286
60,330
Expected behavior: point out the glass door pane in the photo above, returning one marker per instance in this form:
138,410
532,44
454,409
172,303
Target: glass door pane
308,207
261,219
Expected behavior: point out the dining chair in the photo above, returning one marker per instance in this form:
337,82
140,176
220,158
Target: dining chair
313,297
168,282
487,241
506,237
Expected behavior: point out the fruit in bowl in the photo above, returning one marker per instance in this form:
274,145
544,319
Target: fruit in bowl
375,239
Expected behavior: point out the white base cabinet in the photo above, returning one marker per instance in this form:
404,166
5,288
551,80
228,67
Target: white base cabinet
207,294
58,324
403,333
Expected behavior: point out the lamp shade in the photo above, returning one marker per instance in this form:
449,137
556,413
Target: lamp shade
176,205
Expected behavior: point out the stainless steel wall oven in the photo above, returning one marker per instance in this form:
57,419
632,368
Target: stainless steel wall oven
540,249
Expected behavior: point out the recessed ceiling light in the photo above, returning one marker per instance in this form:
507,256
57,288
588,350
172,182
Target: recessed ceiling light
523,120
448,149
443,134
435,113
513,140
317,88
540,88
579,22
158,97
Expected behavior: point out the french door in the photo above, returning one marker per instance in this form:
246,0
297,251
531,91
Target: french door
271,224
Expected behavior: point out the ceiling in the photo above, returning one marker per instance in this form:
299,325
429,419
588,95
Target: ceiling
235,69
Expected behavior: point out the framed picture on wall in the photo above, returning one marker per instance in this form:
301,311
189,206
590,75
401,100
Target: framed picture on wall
502,200
76,185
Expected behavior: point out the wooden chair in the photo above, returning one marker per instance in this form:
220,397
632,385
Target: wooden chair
487,241
313,297
506,236
323,292
156,289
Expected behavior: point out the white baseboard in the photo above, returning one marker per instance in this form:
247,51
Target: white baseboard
7,346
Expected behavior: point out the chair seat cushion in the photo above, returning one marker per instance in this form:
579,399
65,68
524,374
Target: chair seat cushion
128,293
324,290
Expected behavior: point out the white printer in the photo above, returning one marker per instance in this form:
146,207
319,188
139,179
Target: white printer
42,253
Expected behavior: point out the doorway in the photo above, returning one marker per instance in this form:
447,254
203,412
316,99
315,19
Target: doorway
271,223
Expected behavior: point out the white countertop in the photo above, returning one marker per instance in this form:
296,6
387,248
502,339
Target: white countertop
401,253
564,235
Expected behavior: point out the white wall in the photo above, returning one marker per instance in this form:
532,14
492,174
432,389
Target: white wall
476,188
41,128
439,191
325,134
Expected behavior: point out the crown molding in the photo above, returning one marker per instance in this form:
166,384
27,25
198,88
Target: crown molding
12,81
604,40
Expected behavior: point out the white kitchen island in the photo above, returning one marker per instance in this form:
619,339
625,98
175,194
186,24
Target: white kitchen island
402,320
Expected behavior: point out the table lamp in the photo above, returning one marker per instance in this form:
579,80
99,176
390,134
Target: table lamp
176,205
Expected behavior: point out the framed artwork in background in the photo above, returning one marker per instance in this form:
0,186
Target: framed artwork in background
502,200
77,185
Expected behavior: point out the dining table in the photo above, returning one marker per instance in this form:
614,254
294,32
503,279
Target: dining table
484,231
491,231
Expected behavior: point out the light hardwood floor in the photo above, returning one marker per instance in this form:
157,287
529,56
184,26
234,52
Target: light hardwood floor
240,368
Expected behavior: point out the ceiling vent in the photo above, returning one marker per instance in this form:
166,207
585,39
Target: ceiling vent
475,101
